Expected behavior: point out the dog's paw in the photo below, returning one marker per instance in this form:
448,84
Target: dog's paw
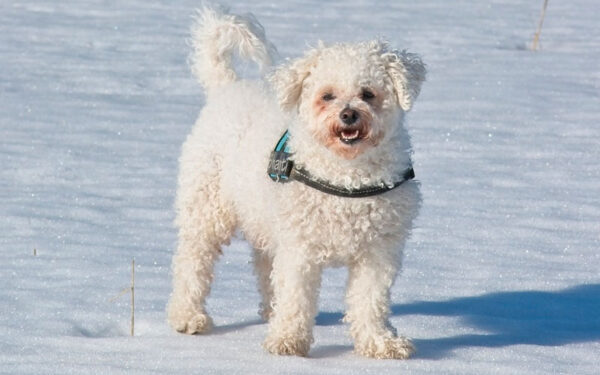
387,348
190,323
287,345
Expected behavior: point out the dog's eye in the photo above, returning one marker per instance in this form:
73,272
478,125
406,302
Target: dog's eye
367,95
328,97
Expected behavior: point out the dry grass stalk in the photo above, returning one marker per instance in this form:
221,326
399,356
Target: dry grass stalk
130,289
536,37
132,296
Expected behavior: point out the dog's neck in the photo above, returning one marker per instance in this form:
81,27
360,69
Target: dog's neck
383,163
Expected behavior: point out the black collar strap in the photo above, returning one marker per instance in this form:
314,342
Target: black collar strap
282,169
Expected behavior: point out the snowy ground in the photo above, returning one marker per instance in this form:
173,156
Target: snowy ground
502,275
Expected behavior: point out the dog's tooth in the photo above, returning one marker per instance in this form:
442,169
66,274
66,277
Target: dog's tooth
351,136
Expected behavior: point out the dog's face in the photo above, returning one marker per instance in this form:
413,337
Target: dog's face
350,96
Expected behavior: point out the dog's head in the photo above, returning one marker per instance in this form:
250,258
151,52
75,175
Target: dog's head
350,95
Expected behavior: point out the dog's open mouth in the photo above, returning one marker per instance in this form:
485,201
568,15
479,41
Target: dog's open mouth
350,135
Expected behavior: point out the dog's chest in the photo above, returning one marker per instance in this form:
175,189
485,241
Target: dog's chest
339,229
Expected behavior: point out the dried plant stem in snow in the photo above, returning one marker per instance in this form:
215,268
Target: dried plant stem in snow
536,37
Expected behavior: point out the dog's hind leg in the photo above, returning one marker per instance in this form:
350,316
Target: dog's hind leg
206,222
369,281
263,266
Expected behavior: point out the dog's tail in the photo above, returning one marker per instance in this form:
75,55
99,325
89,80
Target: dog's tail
216,36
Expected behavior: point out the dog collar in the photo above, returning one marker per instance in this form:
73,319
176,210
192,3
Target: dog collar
282,169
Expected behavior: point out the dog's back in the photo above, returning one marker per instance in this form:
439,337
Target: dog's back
239,116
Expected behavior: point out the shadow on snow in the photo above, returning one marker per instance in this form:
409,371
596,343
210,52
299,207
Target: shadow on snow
508,318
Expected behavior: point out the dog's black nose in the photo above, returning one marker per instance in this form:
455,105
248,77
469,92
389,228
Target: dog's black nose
348,116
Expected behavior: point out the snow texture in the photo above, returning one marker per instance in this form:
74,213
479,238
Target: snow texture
502,275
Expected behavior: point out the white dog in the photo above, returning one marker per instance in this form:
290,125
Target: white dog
338,191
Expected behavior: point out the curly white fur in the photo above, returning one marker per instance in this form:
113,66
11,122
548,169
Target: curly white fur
294,229
216,35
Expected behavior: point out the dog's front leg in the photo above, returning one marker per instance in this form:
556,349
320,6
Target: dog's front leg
368,299
296,281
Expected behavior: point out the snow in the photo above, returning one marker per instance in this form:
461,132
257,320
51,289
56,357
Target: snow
501,276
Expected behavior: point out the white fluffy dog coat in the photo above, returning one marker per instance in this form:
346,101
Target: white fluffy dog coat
344,107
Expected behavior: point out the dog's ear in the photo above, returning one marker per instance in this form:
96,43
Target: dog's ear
407,72
288,79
